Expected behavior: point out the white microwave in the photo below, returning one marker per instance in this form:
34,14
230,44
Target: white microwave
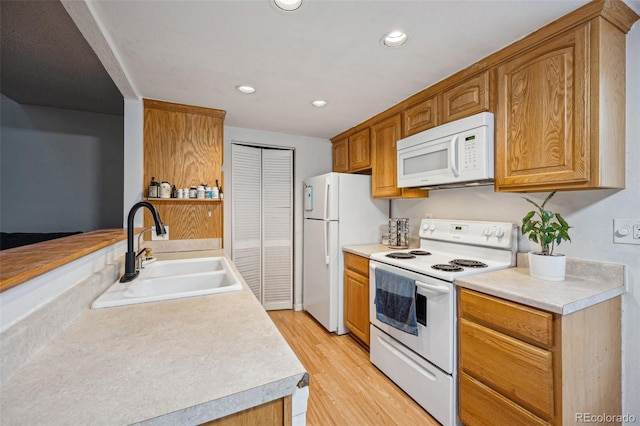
455,154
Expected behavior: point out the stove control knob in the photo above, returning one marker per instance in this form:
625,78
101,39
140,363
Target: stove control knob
487,232
432,227
425,227
499,232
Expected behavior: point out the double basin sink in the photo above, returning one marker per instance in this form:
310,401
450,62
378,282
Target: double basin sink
172,279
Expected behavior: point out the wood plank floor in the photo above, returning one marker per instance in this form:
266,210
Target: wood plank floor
345,388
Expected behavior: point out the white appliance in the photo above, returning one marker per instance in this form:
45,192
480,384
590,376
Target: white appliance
338,211
425,365
455,154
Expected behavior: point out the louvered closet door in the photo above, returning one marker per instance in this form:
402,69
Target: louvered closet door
262,209
246,211
277,225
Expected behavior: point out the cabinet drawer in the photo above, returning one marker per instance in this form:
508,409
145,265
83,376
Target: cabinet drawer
517,370
480,405
356,263
524,323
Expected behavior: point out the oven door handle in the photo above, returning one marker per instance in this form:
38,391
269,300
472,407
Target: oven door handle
434,289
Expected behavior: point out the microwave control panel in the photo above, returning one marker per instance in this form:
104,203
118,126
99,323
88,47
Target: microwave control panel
470,152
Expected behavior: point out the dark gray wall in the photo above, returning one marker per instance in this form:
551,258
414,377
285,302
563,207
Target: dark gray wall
60,170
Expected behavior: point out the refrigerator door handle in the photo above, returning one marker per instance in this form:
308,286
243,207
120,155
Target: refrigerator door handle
327,255
326,198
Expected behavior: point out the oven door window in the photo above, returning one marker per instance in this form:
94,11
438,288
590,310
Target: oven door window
421,309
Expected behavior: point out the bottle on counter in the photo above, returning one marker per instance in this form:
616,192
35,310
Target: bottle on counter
200,194
193,192
154,188
180,193
174,192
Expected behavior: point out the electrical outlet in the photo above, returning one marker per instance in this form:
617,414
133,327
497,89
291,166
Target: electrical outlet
626,231
156,237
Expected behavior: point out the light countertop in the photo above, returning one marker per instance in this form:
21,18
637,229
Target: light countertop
366,250
182,361
587,283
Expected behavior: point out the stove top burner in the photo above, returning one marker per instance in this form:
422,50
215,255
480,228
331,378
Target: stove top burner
447,267
400,255
420,253
468,263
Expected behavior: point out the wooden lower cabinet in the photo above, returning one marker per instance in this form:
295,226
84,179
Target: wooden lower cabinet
356,296
276,412
521,365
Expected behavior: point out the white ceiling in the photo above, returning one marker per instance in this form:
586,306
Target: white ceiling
196,52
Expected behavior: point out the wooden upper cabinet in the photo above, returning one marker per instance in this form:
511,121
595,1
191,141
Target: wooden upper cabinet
420,117
384,136
384,176
340,155
183,145
467,98
360,151
353,153
554,127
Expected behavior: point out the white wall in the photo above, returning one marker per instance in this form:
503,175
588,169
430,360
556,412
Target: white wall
133,158
312,156
590,213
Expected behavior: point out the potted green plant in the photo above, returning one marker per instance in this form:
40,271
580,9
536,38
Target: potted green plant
548,229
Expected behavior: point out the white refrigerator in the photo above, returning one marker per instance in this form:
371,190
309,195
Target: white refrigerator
338,211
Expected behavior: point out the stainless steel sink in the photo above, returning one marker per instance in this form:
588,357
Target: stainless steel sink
172,279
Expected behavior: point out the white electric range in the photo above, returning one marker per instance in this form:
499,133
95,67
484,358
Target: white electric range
424,365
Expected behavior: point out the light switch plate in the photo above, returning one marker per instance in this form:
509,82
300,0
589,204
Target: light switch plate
156,237
626,230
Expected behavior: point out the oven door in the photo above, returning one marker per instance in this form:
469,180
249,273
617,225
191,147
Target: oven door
435,309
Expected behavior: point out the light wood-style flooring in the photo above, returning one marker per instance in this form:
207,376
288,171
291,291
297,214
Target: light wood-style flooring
345,388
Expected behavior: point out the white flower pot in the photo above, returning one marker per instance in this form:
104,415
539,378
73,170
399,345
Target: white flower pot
549,268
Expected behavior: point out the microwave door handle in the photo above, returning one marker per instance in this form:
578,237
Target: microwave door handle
453,156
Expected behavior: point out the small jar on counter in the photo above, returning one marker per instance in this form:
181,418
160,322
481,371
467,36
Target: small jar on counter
200,193
180,193
193,192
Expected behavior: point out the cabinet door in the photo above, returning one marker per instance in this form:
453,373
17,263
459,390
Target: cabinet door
467,98
542,124
384,179
420,117
340,155
356,305
384,176
360,151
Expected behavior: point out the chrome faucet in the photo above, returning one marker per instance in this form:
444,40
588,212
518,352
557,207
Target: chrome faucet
130,271
140,249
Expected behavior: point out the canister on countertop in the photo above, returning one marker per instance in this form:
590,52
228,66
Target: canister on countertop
399,232
193,192
200,193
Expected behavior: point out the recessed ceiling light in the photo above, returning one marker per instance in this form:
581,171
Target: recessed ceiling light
243,88
394,39
318,103
288,5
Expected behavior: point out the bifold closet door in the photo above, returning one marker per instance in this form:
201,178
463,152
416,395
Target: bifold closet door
246,211
262,209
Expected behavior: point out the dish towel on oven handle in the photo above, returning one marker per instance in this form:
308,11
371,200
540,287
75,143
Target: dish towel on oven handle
396,301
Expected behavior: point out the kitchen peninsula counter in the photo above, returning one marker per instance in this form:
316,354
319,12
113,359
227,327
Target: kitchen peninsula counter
182,361
587,283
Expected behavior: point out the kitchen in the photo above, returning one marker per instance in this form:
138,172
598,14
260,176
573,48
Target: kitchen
591,210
